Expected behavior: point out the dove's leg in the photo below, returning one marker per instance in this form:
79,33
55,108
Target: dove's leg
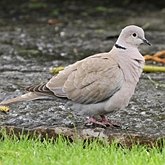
92,121
107,122
92,110
104,122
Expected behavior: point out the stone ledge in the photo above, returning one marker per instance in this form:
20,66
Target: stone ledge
108,135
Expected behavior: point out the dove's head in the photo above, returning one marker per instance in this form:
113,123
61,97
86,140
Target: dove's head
132,36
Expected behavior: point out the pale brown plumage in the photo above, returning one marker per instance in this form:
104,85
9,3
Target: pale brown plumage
88,81
100,83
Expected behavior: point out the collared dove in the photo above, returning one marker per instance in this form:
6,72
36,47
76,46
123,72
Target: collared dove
98,84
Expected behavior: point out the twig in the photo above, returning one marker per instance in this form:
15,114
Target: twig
151,68
158,57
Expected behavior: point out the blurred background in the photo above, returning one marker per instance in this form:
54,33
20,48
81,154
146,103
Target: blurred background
72,29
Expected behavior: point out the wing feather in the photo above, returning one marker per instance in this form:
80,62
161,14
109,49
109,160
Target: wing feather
91,80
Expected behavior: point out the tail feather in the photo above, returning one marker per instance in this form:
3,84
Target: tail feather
41,88
26,97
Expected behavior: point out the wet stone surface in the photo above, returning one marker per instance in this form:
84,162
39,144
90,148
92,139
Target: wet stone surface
28,51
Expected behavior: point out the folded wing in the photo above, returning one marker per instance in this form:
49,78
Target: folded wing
91,80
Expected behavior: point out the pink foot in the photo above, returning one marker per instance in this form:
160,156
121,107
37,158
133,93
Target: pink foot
92,121
104,122
109,123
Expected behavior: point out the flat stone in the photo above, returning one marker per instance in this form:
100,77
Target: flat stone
27,51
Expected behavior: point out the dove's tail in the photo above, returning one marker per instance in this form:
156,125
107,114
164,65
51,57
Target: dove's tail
26,97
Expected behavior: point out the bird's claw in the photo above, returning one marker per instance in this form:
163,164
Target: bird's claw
104,122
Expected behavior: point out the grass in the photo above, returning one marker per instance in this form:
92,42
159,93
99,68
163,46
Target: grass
34,152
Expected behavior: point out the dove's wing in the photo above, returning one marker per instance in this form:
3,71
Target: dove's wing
91,80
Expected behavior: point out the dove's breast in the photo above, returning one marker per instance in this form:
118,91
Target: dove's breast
131,67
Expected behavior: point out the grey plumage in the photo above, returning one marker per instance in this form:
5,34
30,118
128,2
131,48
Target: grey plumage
100,83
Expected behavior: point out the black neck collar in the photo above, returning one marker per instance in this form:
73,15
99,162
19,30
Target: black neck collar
120,47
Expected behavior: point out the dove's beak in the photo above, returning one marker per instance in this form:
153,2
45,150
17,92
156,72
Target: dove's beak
145,41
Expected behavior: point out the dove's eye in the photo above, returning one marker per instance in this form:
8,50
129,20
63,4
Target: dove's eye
134,34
